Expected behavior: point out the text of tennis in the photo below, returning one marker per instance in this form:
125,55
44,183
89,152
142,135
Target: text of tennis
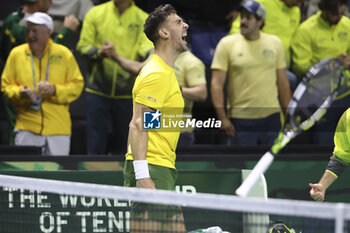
94,214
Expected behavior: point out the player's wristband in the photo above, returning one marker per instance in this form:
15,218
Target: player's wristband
336,167
141,169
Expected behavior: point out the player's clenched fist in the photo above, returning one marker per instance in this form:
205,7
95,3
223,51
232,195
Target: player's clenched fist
317,192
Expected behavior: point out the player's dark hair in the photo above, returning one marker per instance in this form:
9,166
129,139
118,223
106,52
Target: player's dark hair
155,19
331,6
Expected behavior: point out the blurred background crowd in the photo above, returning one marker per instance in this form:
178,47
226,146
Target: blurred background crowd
108,44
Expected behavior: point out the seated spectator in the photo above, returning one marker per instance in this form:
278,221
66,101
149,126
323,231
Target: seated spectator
41,78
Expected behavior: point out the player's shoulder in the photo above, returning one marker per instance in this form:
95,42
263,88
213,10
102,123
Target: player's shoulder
153,68
343,122
346,116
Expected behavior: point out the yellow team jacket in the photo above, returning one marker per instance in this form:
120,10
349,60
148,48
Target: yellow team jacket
53,117
316,40
103,22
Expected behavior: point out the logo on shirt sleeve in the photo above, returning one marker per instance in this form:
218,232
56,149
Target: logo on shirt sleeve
151,120
151,98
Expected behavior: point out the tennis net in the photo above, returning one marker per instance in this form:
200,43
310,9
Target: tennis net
40,205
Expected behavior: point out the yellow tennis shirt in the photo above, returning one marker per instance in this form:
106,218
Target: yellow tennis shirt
342,138
156,87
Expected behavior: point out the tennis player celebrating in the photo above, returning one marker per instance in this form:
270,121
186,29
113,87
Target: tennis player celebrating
339,160
150,160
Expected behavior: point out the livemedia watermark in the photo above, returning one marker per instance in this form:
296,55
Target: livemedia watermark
171,121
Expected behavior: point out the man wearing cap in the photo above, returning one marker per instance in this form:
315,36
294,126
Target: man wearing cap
41,78
13,33
282,20
257,84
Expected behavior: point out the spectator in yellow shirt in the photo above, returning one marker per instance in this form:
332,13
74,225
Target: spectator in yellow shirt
282,20
257,85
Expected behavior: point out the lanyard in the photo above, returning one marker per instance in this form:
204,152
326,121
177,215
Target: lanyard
33,69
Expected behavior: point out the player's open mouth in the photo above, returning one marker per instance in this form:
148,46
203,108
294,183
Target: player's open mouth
183,37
